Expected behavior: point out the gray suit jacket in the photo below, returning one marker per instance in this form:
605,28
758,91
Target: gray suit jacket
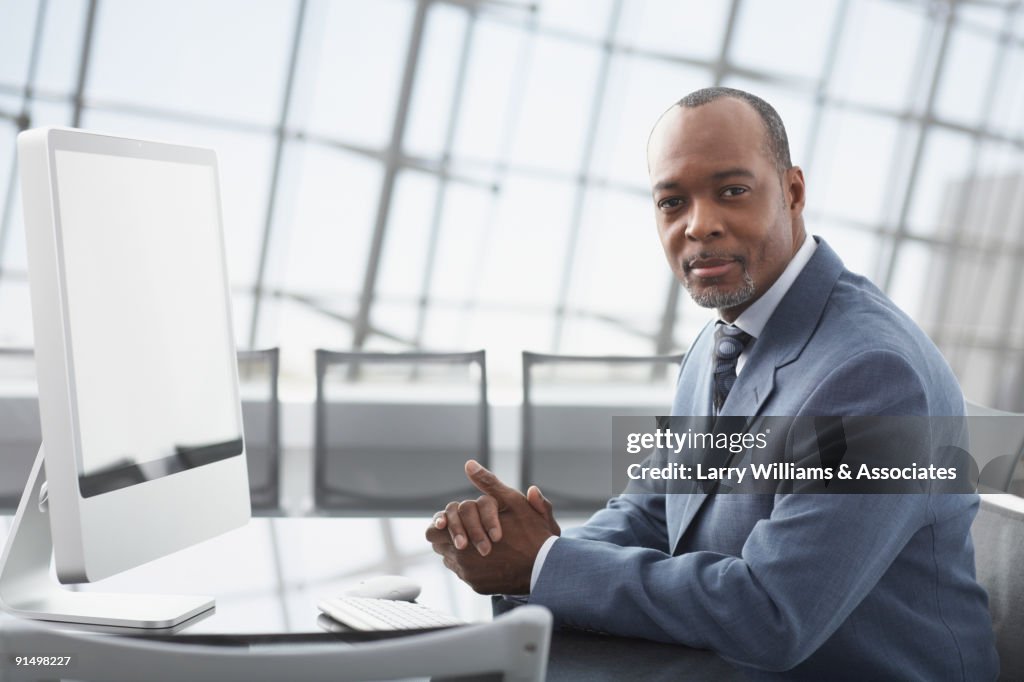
820,586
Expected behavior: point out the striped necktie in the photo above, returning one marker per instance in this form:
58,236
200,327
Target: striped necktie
729,343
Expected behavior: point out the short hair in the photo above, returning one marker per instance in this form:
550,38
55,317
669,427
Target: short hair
777,143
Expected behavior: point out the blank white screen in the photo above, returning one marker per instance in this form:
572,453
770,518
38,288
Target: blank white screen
146,307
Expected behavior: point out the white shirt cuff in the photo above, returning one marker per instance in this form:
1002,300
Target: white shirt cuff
538,563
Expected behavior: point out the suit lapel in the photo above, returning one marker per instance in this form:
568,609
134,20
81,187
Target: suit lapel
753,386
693,399
693,389
783,339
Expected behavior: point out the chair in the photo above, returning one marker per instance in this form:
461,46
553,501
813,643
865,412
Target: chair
997,444
998,534
20,431
513,647
258,372
568,405
393,430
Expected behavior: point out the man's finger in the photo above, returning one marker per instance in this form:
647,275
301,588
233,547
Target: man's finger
436,536
488,483
488,507
440,521
469,514
455,529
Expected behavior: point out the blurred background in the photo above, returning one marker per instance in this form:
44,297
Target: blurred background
458,175
465,174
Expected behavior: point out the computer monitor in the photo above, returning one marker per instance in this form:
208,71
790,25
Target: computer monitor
135,360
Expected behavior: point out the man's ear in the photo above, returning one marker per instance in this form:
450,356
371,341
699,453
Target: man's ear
796,195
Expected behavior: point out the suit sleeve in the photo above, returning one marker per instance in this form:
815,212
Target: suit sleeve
800,574
629,520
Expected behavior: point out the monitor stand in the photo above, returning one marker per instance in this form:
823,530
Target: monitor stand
27,588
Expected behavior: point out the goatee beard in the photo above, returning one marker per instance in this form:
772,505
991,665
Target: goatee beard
712,297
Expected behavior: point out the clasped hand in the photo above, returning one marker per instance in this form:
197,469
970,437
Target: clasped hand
491,542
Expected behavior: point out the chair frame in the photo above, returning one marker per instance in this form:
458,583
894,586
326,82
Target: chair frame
325,359
515,645
11,504
992,534
531,360
273,488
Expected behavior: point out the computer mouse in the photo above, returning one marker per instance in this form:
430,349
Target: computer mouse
394,587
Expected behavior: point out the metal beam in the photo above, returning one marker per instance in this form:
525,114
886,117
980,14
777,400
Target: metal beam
83,64
587,157
954,266
361,329
501,167
824,79
915,165
23,122
275,175
458,91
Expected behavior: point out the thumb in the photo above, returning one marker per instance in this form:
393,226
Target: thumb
487,483
539,503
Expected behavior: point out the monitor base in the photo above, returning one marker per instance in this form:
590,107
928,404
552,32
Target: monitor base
28,590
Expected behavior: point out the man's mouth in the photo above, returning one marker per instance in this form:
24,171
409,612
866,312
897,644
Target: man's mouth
707,268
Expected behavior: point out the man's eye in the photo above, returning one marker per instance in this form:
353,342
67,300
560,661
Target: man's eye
671,202
733,191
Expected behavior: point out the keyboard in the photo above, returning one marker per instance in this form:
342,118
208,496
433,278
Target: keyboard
364,614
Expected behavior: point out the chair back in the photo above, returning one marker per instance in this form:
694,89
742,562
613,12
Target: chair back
568,405
258,372
513,647
20,430
393,430
998,534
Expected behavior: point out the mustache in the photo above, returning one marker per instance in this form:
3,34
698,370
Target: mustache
712,255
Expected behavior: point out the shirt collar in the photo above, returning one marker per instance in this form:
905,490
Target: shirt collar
753,319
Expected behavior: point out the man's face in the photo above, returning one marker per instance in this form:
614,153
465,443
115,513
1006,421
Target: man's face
729,224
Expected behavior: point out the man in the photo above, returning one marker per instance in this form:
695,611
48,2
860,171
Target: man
820,586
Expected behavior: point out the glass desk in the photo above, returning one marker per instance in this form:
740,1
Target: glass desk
268,577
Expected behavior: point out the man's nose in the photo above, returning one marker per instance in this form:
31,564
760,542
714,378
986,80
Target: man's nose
704,222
